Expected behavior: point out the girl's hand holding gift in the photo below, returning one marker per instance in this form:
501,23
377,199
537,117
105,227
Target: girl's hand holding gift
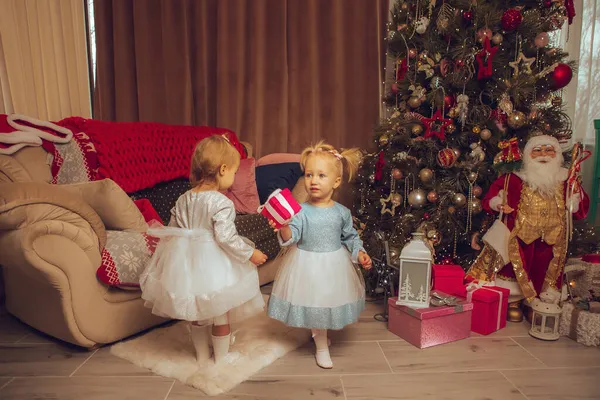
364,260
284,231
258,257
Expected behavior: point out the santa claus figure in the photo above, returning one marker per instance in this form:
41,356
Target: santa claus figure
535,202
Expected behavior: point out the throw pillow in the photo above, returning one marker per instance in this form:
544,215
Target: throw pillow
278,158
276,176
124,258
243,192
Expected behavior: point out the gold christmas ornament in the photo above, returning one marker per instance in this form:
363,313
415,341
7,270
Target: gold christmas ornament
384,140
485,134
396,174
396,199
456,152
476,206
451,210
476,129
459,199
432,196
451,128
416,198
556,101
426,175
414,102
517,120
472,176
497,39
417,130
477,191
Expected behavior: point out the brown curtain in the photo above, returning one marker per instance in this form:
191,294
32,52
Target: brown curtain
280,73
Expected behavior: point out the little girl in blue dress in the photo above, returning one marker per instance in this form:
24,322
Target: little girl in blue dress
317,286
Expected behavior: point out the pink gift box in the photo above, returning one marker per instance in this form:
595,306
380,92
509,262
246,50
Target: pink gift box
490,305
448,278
426,327
280,207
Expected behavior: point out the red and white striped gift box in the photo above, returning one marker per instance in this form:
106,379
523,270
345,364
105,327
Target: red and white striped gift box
280,207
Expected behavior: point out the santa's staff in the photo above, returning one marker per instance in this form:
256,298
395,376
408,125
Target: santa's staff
578,156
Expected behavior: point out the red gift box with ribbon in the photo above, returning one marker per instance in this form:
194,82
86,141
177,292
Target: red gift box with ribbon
490,306
448,278
280,207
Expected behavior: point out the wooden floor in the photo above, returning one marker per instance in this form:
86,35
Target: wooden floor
369,363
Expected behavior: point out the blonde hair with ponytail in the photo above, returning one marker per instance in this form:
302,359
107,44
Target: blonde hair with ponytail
351,157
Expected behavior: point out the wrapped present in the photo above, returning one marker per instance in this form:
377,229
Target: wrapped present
280,207
448,278
426,327
580,325
490,306
583,275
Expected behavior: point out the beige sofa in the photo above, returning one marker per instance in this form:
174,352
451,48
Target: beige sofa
50,242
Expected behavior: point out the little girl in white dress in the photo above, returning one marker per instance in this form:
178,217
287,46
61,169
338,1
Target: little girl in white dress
317,285
202,271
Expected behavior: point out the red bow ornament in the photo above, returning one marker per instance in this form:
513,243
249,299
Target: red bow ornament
509,152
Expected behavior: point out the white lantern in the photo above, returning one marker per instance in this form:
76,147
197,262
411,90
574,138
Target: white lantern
545,320
415,273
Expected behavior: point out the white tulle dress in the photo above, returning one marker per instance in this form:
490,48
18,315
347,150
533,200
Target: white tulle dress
201,268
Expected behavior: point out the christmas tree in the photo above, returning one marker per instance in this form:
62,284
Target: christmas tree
472,82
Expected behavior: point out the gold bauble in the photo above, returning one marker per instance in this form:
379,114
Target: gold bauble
432,196
396,174
556,101
459,199
451,128
472,176
456,152
404,6
477,191
416,198
394,254
384,140
485,134
517,120
417,130
414,102
476,129
476,206
396,199
426,175
497,39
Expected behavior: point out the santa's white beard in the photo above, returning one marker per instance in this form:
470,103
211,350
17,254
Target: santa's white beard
543,176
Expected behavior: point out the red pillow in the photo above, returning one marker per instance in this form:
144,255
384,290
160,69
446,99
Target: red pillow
243,192
148,211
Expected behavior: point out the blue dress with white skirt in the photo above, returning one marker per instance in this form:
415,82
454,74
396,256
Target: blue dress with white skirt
318,285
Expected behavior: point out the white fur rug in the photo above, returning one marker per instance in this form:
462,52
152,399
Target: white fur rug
169,352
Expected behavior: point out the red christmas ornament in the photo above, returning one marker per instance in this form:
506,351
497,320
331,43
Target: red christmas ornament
459,63
561,76
547,3
511,19
436,125
467,16
446,157
484,59
394,88
449,101
426,216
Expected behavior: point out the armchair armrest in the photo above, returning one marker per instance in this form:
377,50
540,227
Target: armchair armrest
25,204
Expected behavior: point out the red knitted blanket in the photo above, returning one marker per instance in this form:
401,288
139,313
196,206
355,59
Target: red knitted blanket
138,155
